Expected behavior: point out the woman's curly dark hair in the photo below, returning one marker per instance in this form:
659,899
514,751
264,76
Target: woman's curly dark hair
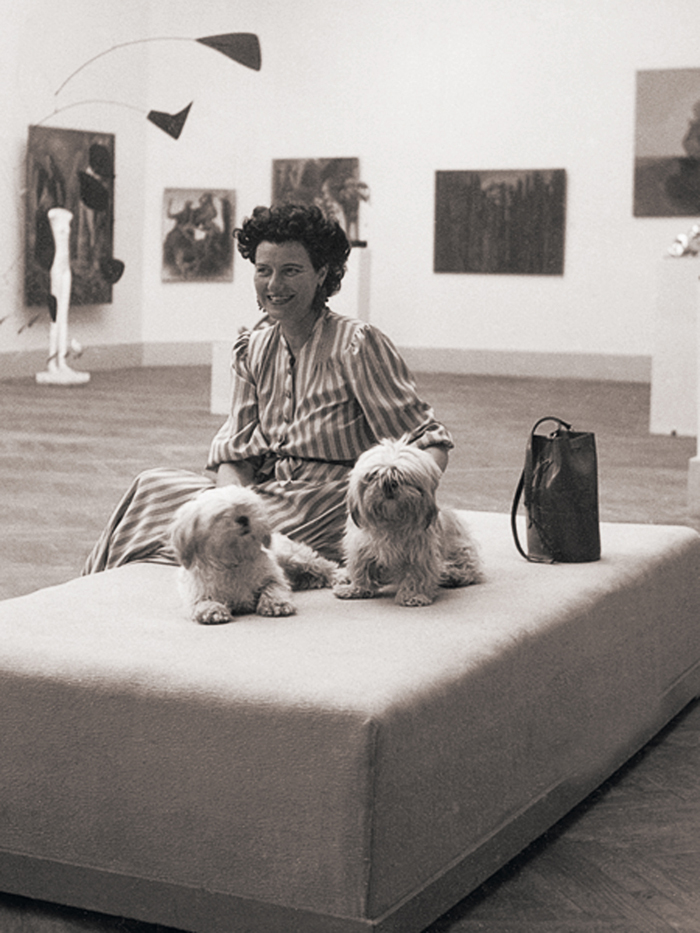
323,239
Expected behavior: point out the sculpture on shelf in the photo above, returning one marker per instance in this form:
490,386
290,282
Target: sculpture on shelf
686,244
57,371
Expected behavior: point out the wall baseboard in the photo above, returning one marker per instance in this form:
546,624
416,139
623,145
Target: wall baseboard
521,363
178,354
115,356
514,363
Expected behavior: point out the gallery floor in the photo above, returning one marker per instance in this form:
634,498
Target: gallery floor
627,860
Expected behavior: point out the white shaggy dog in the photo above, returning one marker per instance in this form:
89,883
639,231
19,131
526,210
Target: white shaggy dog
396,534
232,563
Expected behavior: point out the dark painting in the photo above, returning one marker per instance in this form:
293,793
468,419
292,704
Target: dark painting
667,143
332,184
501,222
73,169
198,235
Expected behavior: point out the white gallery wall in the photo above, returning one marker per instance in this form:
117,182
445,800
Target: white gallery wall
409,88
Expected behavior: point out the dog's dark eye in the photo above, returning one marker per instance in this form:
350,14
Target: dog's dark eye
243,521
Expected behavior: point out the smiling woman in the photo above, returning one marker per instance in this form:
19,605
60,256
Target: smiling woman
311,391
288,289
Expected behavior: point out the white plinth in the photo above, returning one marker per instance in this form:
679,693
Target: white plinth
63,376
694,486
353,298
220,396
674,360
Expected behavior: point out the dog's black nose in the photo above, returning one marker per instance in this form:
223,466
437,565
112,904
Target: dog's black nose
244,523
389,485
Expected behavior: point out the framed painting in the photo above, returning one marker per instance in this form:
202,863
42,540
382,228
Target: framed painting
72,169
332,184
501,222
198,235
667,143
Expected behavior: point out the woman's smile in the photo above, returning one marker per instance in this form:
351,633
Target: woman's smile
286,283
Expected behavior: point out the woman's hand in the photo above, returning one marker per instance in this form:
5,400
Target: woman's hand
240,473
439,455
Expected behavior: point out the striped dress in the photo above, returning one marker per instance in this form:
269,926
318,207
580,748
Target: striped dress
302,422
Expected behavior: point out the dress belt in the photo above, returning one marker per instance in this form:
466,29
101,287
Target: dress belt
273,459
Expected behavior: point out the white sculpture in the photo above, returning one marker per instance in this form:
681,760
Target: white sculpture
57,371
686,244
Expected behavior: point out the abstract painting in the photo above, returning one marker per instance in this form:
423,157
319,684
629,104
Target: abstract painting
332,184
198,235
667,143
501,222
72,169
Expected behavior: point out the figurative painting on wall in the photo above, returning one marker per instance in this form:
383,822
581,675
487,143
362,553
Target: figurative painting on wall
72,170
198,235
500,221
332,184
667,143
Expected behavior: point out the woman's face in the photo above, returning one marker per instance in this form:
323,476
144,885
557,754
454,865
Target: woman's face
286,281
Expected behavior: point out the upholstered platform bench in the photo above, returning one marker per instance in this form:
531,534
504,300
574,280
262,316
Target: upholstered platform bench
358,766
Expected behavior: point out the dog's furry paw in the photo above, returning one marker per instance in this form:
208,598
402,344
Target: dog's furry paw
413,599
302,566
274,605
339,577
210,612
342,577
455,575
349,590
311,578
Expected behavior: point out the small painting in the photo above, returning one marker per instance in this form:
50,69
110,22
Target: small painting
667,143
332,184
501,222
198,235
74,170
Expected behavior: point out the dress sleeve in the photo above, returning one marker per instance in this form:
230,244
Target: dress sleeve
387,393
240,437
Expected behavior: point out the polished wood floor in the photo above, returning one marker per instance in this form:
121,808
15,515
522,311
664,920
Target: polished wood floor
627,860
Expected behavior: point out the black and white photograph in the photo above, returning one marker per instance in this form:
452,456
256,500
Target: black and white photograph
350,466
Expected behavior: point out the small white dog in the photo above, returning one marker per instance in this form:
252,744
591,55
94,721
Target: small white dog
396,534
232,563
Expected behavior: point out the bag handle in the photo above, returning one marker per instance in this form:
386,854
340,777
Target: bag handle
564,424
514,526
513,515
519,491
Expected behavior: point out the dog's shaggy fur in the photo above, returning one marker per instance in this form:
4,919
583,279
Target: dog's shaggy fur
232,563
396,534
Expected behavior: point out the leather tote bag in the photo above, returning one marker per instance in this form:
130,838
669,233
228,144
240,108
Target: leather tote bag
559,488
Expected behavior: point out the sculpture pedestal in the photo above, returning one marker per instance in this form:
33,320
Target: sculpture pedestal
694,486
674,360
62,376
353,298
